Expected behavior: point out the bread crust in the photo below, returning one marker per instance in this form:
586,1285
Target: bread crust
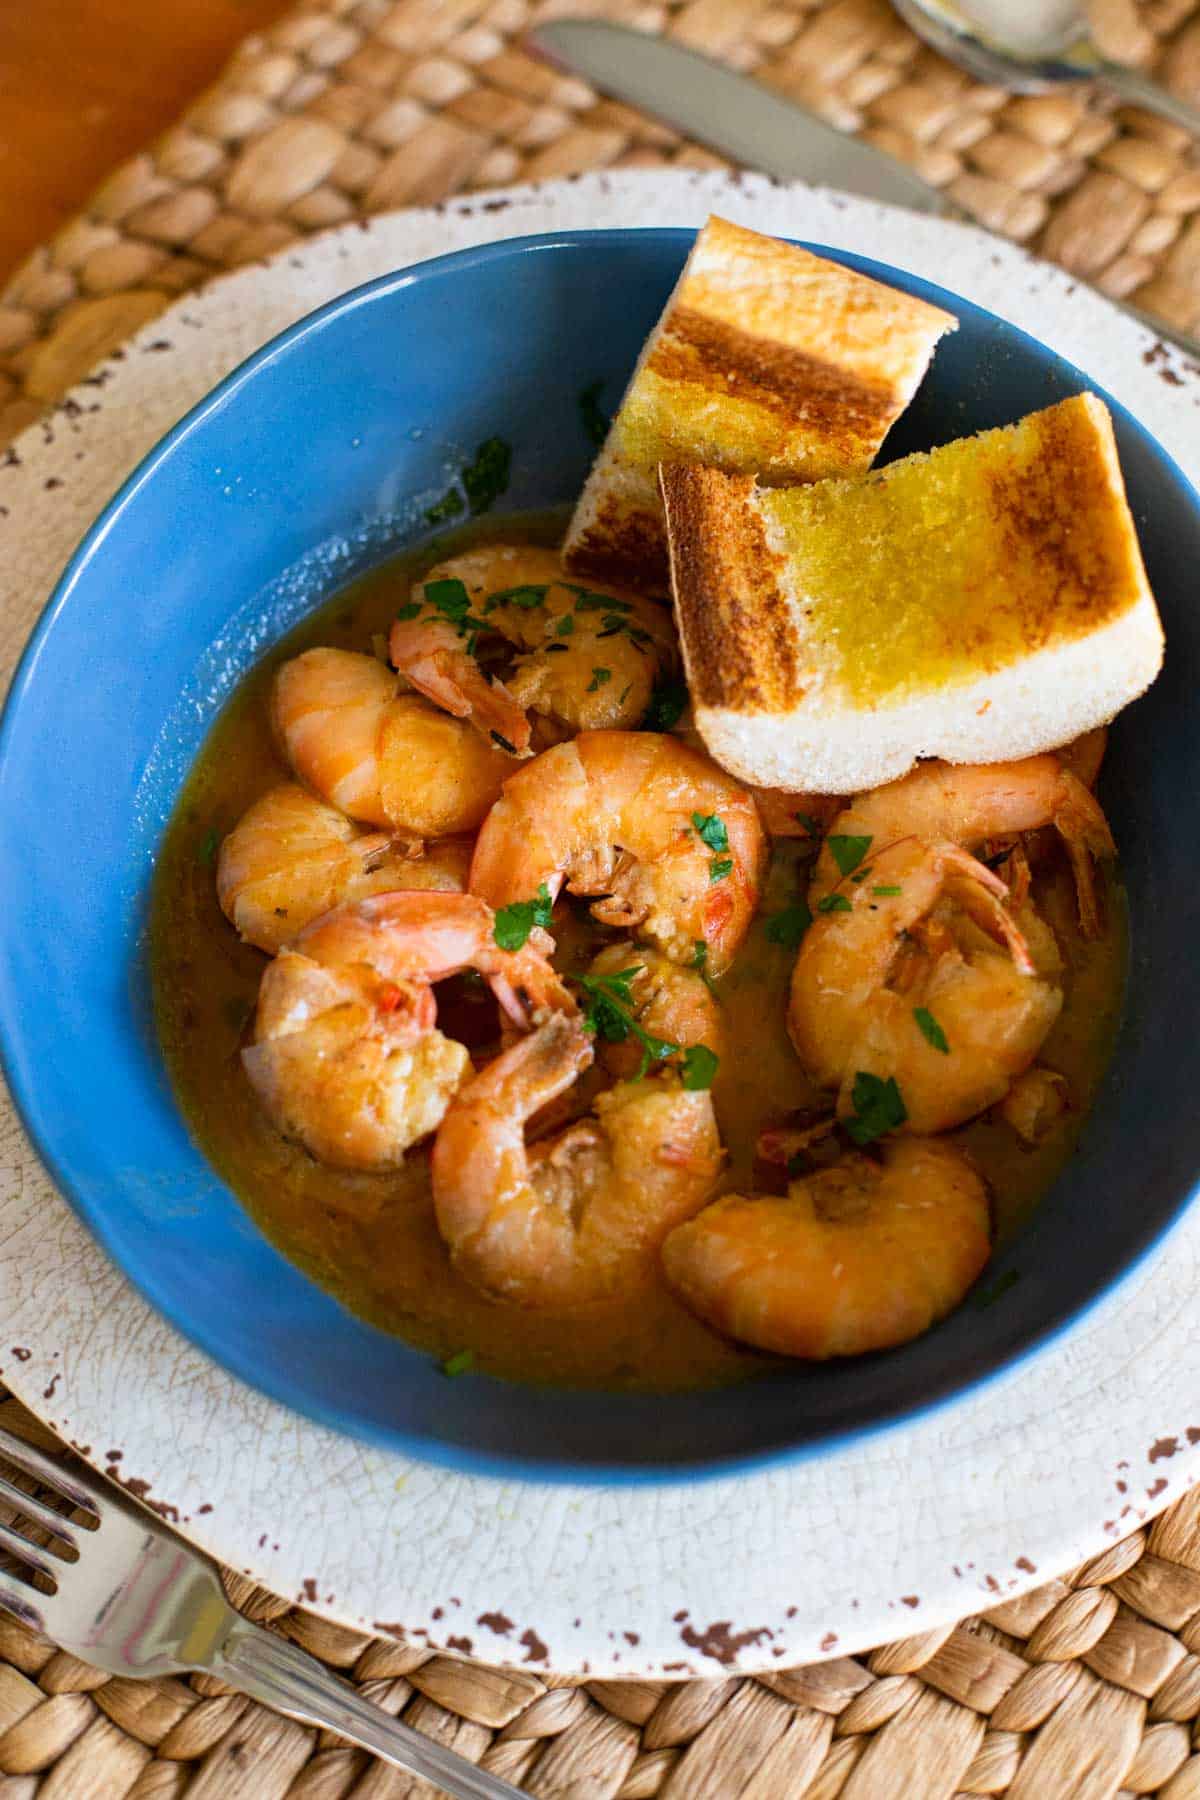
767,360
1031,623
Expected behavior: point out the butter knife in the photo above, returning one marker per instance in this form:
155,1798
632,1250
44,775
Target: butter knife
748,123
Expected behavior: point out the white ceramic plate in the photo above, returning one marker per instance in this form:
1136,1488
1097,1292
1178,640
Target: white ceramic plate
915,1526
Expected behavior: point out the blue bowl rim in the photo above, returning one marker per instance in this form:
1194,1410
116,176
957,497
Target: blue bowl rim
412,1444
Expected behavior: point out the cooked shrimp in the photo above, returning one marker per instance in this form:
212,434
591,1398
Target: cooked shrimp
668,1002
905,981
346,1054
290,858
967,805
788,815
384,757
1084,755
673,844
1035,1103
861,1256
577,1217
587,658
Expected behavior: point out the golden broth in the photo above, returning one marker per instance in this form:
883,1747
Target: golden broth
371,1239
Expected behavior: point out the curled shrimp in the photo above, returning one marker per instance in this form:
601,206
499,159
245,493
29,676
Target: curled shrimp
577,1217
921,966
587,659
667,1002
290,858
922,976
381,756
674,846
861,1256
347,1057
968,805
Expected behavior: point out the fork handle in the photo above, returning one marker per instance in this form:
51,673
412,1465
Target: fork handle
284,1677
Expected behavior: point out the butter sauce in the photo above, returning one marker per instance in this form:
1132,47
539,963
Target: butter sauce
370,1239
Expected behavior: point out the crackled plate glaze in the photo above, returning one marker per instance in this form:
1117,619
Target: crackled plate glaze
860,1544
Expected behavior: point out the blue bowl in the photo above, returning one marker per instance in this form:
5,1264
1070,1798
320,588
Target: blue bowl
300,470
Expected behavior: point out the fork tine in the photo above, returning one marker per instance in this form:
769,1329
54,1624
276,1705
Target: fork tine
31,1462
37,1512
20,1603
43,1561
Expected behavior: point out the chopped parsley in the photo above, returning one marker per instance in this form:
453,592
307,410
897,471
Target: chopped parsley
207,851
448,507
459,1363
710,828
931,1031
513,924
592,415
599,678
789,926
587,601
811,825
624,694
700,1065
719,868
565,626
409,611
833,903
848,852
989,1295
483,480
527,596
451,599
609,1015
878,1108
861,875
666,707
887,892
699,955
486,476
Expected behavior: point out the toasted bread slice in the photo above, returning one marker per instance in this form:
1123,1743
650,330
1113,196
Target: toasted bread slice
980,602
767,361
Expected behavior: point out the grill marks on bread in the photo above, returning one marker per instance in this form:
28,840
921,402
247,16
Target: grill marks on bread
729,364
979,602
767,360
734,618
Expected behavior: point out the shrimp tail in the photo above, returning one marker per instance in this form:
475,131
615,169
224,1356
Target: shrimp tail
428,653
1086,836
981,892
536,1069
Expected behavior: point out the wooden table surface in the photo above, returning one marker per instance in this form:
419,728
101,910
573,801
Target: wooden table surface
84,83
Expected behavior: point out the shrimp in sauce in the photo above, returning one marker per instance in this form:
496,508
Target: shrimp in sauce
384,757
551,1210
347,1057
673,845
586,659
290,858
578,1217
921,966
860,1256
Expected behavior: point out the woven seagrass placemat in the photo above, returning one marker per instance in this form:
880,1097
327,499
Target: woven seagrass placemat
1091,1684
353,106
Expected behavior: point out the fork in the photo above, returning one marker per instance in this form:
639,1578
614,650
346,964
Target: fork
138,1602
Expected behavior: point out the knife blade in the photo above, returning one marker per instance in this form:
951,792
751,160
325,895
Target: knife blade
751,125
737,116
